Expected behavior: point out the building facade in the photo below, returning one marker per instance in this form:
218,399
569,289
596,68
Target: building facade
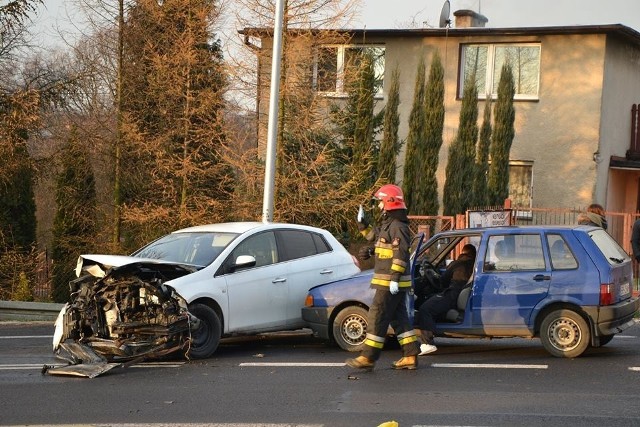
575,88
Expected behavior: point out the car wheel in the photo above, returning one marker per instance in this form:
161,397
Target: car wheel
604,340
206,336
350,328
564,333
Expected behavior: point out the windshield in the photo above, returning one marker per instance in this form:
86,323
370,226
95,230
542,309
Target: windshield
190,248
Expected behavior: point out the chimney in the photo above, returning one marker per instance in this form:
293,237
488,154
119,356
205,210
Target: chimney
468,18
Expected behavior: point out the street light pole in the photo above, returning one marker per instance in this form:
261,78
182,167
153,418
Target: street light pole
272,130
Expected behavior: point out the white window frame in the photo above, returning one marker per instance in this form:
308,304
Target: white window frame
492,75
340,65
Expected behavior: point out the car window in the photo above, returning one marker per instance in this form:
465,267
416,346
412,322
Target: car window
446,249
261,246
299,244
192,248
515,252
561,256
609,247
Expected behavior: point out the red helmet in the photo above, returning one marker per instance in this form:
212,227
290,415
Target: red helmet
391,196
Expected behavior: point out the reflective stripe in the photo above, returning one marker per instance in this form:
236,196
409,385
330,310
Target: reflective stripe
373,344
398,268
385,282
374,341
410,333
407,337
384,253
407,340
400,262
375,338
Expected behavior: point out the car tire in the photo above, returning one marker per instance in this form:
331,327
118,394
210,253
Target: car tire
204,339
350,328
564,333
604,340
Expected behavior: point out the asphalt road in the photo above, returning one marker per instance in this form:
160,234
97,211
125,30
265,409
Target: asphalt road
297,381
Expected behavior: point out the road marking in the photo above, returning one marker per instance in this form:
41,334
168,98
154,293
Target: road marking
25,366
291,364
183,425
487,365
434,365
26,336
634,368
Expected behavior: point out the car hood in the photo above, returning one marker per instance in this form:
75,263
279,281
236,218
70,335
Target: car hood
98,265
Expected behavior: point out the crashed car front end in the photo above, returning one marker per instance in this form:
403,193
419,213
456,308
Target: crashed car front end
122,313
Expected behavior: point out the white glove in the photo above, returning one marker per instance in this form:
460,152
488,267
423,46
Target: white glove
393,287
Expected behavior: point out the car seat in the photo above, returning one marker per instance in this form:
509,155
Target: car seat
456,315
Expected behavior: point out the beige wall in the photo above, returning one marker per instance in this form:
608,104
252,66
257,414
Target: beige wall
621,90
561,131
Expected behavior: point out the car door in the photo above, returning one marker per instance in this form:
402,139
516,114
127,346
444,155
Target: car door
515,278
309,262
257,295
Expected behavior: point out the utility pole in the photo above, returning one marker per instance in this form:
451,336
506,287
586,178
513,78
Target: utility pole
272,130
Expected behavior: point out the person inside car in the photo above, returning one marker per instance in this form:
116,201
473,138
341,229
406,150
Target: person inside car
453,280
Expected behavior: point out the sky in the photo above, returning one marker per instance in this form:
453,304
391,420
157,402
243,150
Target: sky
503,13
393,14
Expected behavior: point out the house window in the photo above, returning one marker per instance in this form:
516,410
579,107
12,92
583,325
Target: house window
486,61
521,184
335,65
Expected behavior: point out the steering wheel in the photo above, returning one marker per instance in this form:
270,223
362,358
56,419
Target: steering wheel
430,273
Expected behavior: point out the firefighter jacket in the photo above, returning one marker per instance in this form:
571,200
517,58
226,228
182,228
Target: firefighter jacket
391,252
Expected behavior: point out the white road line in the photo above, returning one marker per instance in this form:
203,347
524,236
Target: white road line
26,366
291,364
182,425
434,365
487,365
634,368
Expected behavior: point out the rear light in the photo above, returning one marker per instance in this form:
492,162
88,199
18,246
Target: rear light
606,294
308,301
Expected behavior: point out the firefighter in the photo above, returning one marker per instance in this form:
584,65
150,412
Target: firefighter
391,281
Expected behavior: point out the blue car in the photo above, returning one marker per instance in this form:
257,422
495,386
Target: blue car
570,286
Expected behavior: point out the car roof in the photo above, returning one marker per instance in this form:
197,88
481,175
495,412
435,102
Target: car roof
243,227
512,228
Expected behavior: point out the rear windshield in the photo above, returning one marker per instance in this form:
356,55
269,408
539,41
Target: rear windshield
609,247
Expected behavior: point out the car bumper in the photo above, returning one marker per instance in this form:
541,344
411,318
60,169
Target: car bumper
613,319
317,319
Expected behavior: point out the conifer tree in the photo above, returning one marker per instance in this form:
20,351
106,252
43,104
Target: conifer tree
502,138
74,227
17,197
460,170
390,146
357,123
434,130
173,88
480,191
415,157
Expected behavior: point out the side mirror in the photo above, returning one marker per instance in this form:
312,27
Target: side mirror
243,261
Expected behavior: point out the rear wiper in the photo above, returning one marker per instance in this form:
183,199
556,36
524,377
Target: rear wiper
614,259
